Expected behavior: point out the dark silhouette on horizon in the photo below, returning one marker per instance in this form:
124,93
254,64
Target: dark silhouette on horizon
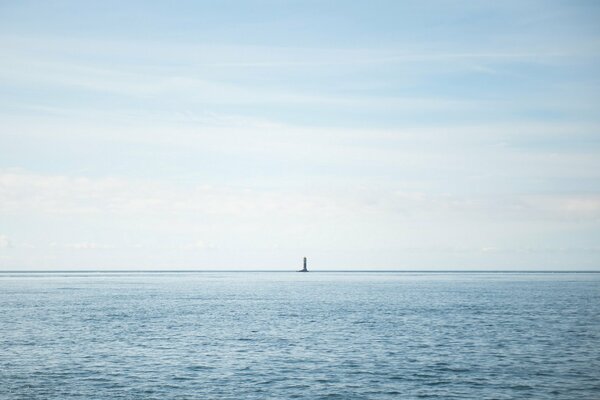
304,269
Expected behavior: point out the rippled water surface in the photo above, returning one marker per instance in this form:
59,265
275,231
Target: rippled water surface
255,335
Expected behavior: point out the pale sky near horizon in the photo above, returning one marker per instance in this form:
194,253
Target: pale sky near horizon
248,134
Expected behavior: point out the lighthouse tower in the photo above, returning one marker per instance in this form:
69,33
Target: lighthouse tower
304,268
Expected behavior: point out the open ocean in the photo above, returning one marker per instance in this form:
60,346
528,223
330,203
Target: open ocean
279,335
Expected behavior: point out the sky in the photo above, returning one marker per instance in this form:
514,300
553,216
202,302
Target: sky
408,135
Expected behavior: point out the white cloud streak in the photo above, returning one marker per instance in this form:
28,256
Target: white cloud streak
5,243
23,192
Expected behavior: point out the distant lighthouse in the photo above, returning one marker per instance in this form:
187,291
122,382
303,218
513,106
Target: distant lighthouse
304,269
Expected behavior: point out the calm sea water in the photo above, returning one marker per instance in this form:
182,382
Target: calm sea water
310,336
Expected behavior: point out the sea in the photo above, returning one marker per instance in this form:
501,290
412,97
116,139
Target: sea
285,335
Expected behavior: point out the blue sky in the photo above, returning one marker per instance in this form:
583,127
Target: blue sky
233,135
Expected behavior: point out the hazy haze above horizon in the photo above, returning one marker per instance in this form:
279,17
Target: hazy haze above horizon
246,135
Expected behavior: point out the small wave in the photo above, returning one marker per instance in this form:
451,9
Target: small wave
200,367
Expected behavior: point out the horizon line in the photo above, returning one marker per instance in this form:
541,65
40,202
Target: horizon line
290,270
